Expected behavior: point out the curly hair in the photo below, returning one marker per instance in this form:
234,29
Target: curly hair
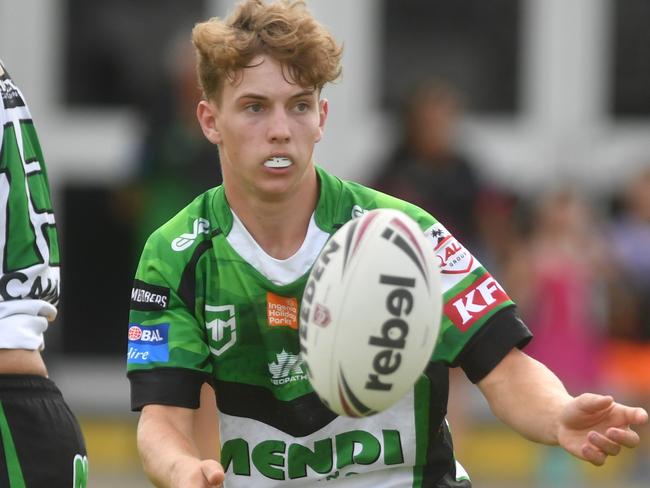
284,30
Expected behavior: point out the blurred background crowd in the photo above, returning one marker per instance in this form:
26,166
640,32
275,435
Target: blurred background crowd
522,125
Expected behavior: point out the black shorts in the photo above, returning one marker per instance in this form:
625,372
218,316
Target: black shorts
41,445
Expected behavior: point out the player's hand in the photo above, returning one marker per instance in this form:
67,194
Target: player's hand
195,473
593,427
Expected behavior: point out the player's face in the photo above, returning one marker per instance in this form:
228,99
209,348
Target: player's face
266,127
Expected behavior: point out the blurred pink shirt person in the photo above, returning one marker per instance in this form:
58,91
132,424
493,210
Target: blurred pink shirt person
564,318
562,294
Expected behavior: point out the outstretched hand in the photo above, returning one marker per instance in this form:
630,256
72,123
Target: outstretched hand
593,427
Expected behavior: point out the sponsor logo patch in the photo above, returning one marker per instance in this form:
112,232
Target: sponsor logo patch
10,95
19,285
281,311
182,242
346,454
148,343
287,368
452,256
149,298
475,302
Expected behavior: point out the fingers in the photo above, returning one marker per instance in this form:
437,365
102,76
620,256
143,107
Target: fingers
213,472
623,437
636,416
604,444
624,416
593,455
600,446
592,403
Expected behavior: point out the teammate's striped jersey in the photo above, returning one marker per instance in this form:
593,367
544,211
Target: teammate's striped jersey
208,304
29,250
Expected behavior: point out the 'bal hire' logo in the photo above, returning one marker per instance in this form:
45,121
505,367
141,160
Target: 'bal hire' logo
286,369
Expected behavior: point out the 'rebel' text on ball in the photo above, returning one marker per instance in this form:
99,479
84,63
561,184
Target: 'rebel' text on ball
399,302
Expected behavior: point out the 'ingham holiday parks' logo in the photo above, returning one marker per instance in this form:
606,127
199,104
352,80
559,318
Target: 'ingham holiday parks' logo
281,311
287,368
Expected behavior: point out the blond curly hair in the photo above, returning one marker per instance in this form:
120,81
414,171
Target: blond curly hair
284,30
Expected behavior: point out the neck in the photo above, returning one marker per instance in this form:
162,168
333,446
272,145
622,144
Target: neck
278,225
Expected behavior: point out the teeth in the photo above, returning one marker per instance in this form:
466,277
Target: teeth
277,162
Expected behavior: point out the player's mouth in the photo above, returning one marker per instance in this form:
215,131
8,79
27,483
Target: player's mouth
278,162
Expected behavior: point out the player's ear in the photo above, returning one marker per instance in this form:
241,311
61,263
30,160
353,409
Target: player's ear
323,108
207,114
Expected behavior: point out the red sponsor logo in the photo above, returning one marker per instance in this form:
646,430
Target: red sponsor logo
469,306
453,257
135,333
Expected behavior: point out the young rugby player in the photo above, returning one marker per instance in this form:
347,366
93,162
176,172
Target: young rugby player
210,280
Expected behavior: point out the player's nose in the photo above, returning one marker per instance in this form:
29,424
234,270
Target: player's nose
278,130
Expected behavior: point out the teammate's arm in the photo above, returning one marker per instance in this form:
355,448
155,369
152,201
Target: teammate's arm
528,397
170,457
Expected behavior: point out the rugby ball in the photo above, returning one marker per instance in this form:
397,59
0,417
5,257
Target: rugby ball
370,313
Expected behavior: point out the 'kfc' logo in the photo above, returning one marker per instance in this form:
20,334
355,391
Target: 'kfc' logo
472,304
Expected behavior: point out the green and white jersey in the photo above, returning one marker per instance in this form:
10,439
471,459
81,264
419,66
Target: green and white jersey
29,252
208,304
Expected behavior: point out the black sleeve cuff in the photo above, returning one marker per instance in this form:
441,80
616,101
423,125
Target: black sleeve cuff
498,336
176,387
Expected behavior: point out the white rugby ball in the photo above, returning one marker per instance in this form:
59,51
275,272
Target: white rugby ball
370,313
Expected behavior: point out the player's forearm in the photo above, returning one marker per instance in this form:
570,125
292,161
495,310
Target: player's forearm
163,446
527,396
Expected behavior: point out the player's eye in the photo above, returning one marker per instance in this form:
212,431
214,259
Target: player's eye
254,107
302,107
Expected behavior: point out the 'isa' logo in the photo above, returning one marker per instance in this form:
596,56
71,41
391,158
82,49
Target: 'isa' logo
148,343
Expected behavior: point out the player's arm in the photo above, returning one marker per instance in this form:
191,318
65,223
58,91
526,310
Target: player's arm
206,425
528,397
168,367
169,455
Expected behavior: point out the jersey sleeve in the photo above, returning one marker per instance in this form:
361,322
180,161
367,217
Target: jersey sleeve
479,324
167,354
29,252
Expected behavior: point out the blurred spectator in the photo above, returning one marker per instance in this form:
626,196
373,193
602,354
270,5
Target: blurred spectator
558,277
175,162
426,167
630,240
499,229
558,280
627,359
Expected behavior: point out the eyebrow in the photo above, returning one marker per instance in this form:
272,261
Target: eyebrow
257,96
